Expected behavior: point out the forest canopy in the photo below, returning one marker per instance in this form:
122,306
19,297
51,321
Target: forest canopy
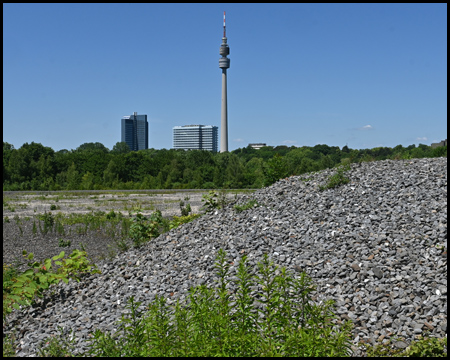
92,166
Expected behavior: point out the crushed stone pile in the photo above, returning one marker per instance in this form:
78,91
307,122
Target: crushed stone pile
377,246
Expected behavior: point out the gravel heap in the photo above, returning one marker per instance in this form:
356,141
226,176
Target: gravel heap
376,245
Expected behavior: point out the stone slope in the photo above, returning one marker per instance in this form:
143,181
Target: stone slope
373,245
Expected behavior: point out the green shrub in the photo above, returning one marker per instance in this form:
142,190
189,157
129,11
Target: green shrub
143,229
337,179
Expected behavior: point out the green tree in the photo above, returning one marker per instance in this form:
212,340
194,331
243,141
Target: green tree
417,153
129,168
276,168
307,165
93,146
19,169
22,165
188,175
45,167
121,148
72,177
294,158
197,158
159,181
326,162
87,181
254,173
234,172
110,174
8,149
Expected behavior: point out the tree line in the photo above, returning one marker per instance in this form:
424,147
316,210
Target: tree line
92,166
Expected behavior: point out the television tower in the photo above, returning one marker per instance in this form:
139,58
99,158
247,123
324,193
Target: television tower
224,64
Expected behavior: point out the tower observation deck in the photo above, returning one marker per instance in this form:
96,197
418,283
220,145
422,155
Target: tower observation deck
224,64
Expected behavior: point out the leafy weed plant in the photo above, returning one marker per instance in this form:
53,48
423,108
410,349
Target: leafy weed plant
23,288
213,200
185,209
64,243
48,221
278,319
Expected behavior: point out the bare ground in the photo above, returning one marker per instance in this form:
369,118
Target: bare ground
21,210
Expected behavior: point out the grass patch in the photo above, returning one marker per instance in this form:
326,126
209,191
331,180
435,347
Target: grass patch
246,206
337,179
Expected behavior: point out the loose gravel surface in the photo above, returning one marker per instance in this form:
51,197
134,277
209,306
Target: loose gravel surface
377,246
18,232
85,201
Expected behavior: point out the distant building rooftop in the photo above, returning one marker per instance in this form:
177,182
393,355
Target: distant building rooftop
257,146
442,143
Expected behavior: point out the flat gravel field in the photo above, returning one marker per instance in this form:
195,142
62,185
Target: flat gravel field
21,209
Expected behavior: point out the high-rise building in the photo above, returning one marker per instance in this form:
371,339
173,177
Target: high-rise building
135,131
195,137
224,64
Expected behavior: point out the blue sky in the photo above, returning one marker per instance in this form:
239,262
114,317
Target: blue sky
365,75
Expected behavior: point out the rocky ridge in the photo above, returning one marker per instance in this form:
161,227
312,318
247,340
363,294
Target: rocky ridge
376,245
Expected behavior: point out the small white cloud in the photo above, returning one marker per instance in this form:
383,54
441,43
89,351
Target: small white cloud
288,142
238,140
366,127
422,138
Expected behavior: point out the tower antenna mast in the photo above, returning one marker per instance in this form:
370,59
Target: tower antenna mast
224,28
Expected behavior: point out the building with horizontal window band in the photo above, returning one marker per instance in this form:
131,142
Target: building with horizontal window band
195,137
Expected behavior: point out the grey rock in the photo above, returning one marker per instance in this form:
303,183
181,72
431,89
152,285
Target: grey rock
377,272
400,345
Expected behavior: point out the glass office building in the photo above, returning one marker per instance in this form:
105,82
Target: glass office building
195,137
135,131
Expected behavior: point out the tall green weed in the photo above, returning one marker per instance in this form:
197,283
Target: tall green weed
277,319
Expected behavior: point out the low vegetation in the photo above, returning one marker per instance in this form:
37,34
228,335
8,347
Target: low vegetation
250,204
337,179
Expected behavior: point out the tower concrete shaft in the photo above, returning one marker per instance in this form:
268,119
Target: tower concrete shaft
224,117
224,64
